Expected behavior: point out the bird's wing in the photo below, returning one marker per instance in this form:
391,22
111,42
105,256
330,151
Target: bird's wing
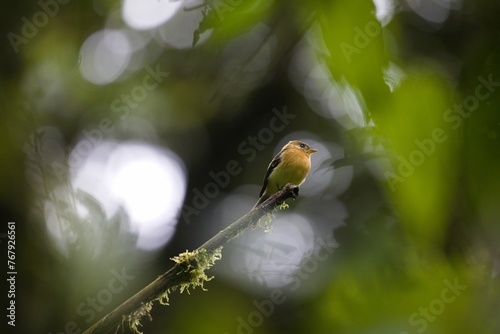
275,162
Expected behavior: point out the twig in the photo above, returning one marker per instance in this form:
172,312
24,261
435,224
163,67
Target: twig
181,275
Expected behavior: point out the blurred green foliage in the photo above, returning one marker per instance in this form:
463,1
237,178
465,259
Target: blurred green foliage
418,246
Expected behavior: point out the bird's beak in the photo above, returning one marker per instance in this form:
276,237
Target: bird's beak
312,150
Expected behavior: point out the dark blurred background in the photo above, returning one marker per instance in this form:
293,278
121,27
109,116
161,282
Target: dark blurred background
134,130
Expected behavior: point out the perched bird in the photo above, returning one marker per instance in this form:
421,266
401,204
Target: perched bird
290,165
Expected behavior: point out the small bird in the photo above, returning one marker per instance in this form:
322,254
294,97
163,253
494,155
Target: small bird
290,165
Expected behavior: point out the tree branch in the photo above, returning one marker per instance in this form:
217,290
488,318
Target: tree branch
188,270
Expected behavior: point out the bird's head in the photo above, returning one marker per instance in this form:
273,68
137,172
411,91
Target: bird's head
300,145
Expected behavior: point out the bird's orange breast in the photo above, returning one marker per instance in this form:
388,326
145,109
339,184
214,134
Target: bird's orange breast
294,167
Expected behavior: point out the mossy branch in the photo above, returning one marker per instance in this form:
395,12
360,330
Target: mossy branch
188,271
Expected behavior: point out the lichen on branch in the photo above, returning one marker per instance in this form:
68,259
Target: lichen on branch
190,268
196,263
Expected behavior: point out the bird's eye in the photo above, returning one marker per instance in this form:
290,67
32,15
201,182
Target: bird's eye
302,145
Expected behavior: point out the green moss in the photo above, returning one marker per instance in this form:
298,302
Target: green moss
195,263
282,206
266,220
134,318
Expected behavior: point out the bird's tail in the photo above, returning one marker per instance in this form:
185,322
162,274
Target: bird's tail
261,200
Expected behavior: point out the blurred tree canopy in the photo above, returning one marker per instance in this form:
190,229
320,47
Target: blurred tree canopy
132,131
